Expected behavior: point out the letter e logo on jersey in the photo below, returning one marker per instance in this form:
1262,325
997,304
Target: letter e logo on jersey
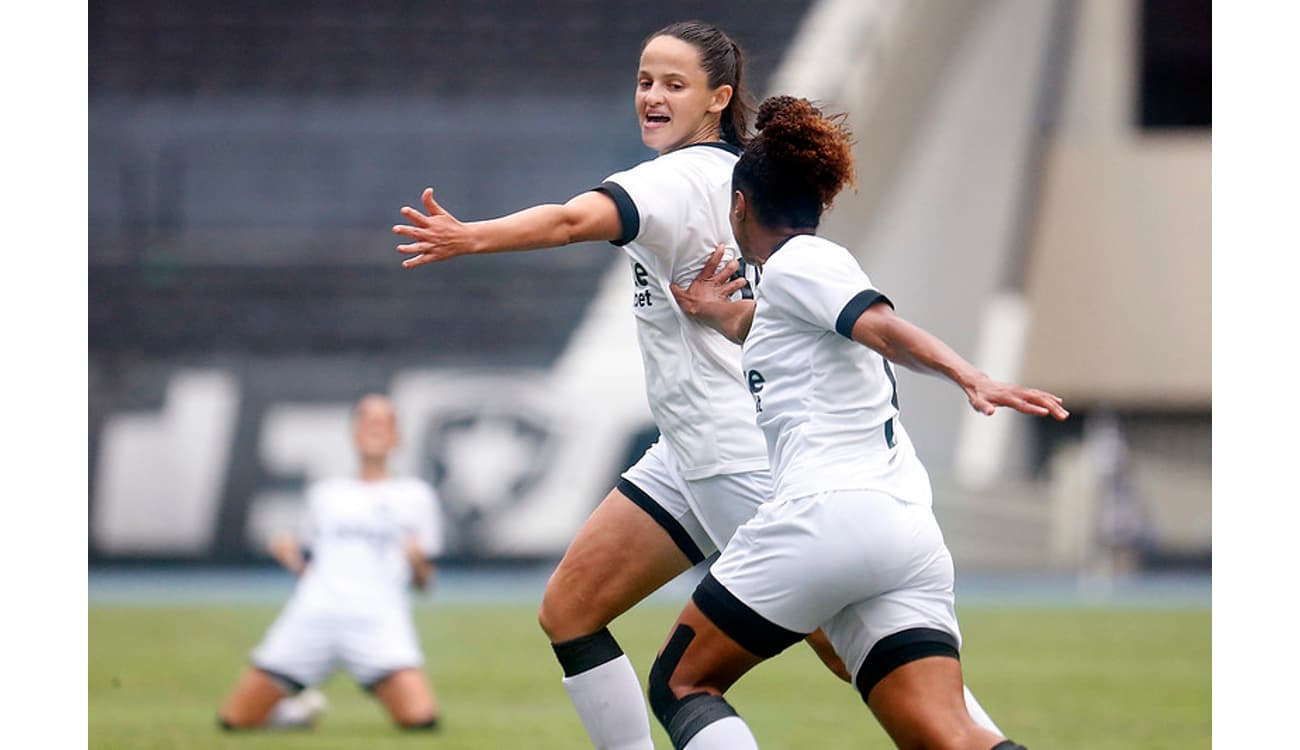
756,381
641,298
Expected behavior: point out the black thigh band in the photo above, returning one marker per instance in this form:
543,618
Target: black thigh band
287,683
587,652
755,633
675,530
893,651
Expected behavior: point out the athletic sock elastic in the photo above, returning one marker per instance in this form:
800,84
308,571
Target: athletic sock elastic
730,733
605,692
978,713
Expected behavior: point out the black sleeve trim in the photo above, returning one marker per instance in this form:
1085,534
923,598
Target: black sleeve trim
854,309
628,217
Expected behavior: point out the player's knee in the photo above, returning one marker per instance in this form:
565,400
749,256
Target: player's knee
562,618
684,709
665,691
419,722
230,721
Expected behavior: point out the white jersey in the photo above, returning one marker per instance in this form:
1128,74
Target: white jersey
356,532
827,405
674,213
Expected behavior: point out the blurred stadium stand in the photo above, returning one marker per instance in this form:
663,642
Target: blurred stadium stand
1033,185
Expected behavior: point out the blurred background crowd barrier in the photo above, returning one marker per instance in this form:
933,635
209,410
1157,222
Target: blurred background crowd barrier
1033,186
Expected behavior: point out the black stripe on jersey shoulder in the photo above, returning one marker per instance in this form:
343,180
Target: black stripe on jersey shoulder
754,632
629,218
728,147
854,309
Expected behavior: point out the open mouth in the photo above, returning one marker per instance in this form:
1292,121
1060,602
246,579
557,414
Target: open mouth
656,119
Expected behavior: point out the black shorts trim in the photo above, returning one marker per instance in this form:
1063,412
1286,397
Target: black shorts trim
629,218
893,651
854,309
369,687
287,683
675,530
755,633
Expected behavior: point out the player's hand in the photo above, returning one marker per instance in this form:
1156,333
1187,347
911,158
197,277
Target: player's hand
711,287
437,235
986,395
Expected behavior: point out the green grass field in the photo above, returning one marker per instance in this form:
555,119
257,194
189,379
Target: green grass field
1061,678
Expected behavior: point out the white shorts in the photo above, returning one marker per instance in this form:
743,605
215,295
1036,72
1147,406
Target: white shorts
699,514
303,647
862,565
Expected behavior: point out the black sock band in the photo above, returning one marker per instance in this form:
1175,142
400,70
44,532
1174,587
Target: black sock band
695,712
587,652
1008,745
428,725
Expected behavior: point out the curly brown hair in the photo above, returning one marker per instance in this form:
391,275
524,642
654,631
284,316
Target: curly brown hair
797,163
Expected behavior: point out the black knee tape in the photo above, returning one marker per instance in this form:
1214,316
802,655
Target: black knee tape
695,712
662,701
1008,745
587,652
682,718
893,651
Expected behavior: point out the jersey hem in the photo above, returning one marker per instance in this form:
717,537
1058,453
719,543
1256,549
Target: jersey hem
730,467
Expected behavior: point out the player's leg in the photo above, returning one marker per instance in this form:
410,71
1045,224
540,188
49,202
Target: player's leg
381,650
696,666
252,699
921,705
408,697
294,654
641,536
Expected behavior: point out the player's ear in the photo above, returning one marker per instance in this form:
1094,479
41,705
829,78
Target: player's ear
739,206
721,98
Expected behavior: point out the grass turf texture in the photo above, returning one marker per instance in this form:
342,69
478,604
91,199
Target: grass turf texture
1086,678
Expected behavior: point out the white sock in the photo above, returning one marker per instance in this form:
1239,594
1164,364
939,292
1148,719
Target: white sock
978,713
297,710
730,733
610,703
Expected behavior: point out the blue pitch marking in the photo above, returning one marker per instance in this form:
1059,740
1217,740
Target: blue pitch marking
524,585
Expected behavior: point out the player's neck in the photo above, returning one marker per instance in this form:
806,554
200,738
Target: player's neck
771,239
374,471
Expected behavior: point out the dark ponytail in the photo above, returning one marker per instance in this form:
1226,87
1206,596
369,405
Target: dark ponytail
724,63
796,164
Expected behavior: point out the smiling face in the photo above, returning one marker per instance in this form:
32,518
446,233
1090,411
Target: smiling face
674,102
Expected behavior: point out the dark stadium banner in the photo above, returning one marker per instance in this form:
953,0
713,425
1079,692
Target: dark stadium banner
201,460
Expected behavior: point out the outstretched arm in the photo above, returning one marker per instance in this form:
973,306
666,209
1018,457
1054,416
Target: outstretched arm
437,235
916,349
708,299
288,552
421,567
